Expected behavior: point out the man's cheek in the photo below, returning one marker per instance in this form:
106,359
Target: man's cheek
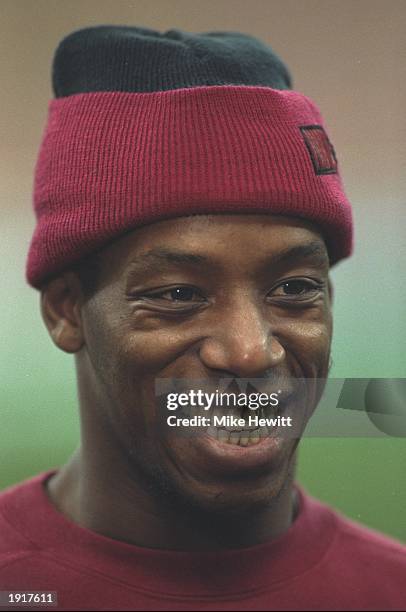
152,351
314,344
135,364
309,342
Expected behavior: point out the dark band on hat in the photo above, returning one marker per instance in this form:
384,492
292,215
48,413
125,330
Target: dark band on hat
141,60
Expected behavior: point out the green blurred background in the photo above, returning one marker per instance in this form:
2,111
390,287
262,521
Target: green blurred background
348,56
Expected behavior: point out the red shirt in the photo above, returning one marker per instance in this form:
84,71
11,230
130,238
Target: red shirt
323,562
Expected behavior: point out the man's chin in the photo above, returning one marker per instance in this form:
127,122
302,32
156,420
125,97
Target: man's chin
230,479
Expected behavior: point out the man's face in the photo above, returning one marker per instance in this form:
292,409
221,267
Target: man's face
203,297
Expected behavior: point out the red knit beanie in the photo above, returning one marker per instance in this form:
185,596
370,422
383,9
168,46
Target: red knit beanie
149,126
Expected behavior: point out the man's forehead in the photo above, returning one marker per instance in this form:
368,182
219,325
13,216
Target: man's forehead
207,240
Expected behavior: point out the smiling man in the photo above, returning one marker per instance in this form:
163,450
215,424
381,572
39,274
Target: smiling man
189,209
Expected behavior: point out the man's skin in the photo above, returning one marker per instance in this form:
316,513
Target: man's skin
132,482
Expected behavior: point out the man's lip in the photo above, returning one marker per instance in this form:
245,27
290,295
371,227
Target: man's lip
222,457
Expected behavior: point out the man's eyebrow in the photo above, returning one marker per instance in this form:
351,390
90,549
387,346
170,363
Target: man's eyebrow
161,256
315,251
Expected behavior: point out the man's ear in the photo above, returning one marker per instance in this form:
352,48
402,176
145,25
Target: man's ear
60,309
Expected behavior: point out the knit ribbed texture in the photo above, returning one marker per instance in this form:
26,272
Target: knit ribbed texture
111,162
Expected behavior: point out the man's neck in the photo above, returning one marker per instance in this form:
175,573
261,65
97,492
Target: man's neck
110,503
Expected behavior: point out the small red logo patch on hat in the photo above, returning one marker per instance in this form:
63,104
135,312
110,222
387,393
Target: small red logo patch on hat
321,150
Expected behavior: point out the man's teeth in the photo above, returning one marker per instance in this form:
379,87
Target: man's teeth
245,437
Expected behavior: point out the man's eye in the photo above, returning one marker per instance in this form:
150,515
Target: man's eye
297,288
178,294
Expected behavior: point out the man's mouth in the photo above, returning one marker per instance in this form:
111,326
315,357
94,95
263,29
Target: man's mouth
242,449
239,437
240,426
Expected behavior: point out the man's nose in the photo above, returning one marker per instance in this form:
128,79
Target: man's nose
241,343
